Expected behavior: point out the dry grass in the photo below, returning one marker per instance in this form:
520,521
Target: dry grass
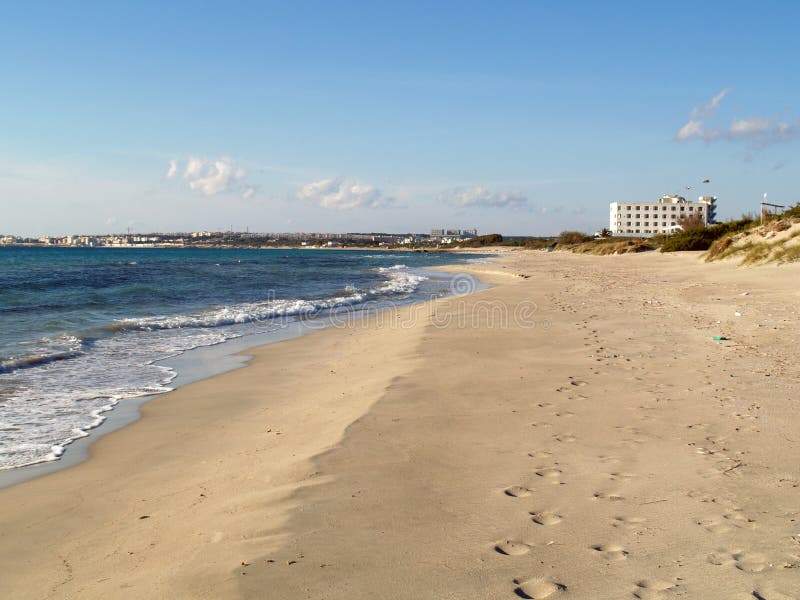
608,246
775,242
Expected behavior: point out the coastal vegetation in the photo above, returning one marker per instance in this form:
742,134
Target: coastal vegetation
492,239
748,239
701,238
775,241
573,237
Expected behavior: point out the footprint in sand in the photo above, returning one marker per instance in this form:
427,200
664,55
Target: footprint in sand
609,496
565,438
699,426
565,413
545,518
517,491
648,589
717,440
550,474
607,459
621,476
773,594
713,525
512,548
611,552
701,496
741,416
629,429
725,522
628,522
738,519
540,454
632,442
749,562
538,587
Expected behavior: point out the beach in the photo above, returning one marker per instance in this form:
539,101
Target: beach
573,431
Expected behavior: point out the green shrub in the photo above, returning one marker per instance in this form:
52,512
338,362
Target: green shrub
694,239
493,239
573,237
793,212
702,239
539,243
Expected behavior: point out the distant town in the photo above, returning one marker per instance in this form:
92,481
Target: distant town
436,237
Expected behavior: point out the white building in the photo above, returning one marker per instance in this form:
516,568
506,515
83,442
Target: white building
646,219
454,233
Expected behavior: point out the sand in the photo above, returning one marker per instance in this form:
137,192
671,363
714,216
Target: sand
574,433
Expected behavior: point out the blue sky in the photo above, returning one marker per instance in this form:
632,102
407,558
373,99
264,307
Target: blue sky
517,117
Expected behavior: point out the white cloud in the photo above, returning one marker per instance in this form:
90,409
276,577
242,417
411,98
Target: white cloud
745,127
212,177
758,131
711,106
479,196
172,170
341,194
691,130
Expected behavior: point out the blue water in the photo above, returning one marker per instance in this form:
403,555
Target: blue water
83,329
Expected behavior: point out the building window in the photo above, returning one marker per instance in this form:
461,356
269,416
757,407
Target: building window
628,223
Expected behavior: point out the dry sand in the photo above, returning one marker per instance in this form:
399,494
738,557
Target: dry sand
573,434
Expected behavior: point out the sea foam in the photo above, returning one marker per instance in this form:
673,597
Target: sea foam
63,386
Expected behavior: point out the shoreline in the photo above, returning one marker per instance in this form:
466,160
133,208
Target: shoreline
190,366
120,452
591,441
230,355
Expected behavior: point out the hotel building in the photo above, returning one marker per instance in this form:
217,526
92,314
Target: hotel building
646,219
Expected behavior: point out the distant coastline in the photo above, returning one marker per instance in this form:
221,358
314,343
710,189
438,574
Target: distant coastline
233,247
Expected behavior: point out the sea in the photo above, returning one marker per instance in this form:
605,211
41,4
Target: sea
85,329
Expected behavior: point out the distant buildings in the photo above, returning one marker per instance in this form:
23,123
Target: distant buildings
454,234
243,239
646,219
